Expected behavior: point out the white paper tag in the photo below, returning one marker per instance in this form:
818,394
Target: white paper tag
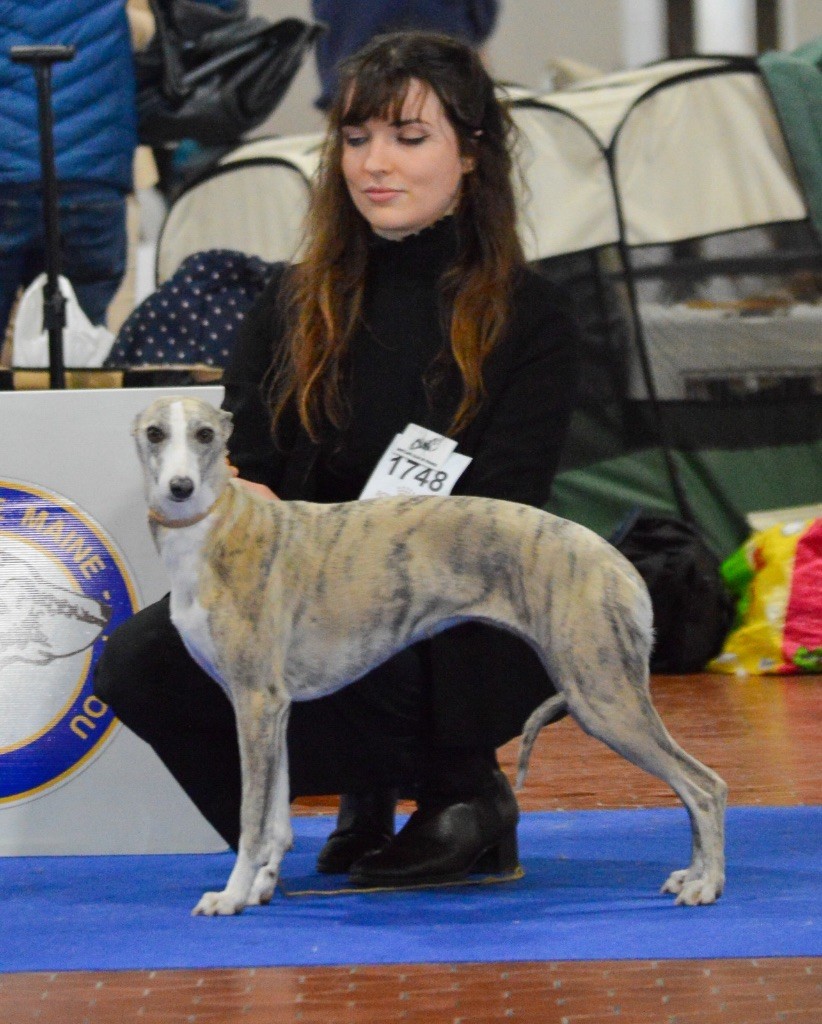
428,446
417,462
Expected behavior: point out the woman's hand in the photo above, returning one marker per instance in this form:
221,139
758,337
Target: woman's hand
259,489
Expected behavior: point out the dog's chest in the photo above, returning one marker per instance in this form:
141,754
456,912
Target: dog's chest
182,560
192,623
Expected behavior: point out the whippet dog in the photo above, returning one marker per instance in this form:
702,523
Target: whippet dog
277,601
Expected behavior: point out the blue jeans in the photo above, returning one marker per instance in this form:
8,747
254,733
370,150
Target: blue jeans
93,244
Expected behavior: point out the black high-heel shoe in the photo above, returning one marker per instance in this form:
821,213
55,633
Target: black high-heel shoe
446,840
365,823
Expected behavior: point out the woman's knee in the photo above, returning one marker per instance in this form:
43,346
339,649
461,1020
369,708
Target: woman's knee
150,681
139,651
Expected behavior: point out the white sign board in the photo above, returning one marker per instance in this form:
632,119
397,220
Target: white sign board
76,558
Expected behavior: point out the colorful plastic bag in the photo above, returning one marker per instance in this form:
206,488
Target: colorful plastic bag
777,576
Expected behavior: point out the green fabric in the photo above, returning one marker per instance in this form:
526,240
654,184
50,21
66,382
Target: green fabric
722,486
738,574
795,83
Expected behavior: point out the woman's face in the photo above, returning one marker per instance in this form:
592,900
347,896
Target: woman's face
404,175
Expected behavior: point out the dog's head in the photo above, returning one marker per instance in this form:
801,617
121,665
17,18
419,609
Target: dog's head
181,443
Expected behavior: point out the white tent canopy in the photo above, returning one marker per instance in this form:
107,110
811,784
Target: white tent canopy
677,150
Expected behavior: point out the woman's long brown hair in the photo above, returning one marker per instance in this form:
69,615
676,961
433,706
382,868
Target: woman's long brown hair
324,291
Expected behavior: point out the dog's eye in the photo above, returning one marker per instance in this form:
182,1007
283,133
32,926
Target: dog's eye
205,435
155,434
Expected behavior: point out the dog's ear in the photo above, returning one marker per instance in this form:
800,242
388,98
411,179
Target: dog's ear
151,410
226,423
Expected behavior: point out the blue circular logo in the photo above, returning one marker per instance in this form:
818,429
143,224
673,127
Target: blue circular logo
64,587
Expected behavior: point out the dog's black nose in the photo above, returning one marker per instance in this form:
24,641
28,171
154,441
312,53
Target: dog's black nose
181,487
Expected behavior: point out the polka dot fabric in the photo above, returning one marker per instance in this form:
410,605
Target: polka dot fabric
192,319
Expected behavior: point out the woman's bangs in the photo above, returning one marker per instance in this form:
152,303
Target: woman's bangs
379,97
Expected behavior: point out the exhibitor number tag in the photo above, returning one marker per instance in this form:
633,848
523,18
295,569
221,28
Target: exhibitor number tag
417,462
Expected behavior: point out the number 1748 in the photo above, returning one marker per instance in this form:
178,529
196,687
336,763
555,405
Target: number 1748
404,468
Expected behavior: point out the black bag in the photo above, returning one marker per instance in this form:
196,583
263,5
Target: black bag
693,609
210,76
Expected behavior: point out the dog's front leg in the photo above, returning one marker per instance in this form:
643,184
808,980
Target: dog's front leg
265,825
281,838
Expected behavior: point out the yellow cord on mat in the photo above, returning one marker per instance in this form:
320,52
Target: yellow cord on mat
352,891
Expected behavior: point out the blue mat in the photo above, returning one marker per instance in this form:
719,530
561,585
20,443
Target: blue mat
590,891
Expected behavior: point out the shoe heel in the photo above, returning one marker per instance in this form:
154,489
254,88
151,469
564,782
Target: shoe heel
501,859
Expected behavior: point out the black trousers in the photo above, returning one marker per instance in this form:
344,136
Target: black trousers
388,729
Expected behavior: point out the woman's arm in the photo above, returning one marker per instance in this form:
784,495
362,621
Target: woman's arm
517,439
251,447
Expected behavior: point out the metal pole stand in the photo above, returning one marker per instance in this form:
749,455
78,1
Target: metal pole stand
41,59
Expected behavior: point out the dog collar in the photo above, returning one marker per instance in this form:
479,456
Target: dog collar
178,524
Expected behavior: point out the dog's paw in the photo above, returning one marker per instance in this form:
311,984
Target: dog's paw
692,891
263,889
699,892
674,882
217,904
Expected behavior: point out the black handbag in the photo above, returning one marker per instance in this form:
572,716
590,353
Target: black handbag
693,609
210,75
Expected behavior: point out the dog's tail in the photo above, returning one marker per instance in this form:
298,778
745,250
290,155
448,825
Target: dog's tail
545,713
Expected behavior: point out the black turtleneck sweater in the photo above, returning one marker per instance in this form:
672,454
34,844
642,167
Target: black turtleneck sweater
529,381
400,336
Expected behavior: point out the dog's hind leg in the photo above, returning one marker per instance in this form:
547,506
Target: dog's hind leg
630,725
265,827
606,688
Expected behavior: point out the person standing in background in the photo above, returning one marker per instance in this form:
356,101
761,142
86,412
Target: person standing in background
95,135
351,26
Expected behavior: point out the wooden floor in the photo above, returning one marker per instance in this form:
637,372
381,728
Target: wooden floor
761,735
